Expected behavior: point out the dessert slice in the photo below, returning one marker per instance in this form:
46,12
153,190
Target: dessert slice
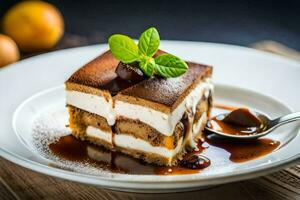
153,119
153,108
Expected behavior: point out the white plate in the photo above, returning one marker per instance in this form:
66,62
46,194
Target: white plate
274,76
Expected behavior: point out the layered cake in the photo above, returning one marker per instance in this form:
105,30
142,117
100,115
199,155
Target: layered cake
139,100
155,119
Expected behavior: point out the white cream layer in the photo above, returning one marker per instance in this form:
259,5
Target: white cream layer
162,122
131,142
92,103
98,133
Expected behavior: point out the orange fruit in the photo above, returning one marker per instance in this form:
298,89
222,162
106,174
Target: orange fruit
9,52
33,25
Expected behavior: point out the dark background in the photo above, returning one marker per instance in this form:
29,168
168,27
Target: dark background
233,22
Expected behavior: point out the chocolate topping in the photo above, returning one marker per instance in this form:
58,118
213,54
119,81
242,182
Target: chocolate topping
130,73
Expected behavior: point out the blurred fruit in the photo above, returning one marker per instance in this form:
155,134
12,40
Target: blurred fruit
9,51
33,25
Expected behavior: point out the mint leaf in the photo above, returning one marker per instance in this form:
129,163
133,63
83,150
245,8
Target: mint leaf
123,48
149,42
147,65
169,66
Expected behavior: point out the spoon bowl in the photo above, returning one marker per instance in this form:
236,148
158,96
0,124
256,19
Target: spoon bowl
267,125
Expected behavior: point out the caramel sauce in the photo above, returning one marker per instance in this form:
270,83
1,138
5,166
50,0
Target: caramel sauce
69,148
242,117
242,151
238,122
227,128
72,149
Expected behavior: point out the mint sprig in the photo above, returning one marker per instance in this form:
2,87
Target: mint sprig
165,65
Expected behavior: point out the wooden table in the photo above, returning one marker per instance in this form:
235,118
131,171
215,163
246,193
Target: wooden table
19,183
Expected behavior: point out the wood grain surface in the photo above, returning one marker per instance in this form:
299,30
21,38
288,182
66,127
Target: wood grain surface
19,183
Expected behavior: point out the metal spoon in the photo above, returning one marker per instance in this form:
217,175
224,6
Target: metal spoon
268,125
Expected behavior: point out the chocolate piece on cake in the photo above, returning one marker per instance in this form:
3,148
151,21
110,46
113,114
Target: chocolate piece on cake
155,119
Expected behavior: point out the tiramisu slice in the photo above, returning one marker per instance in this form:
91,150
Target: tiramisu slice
155,119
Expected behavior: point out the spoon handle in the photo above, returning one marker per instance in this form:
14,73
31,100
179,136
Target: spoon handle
284,119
